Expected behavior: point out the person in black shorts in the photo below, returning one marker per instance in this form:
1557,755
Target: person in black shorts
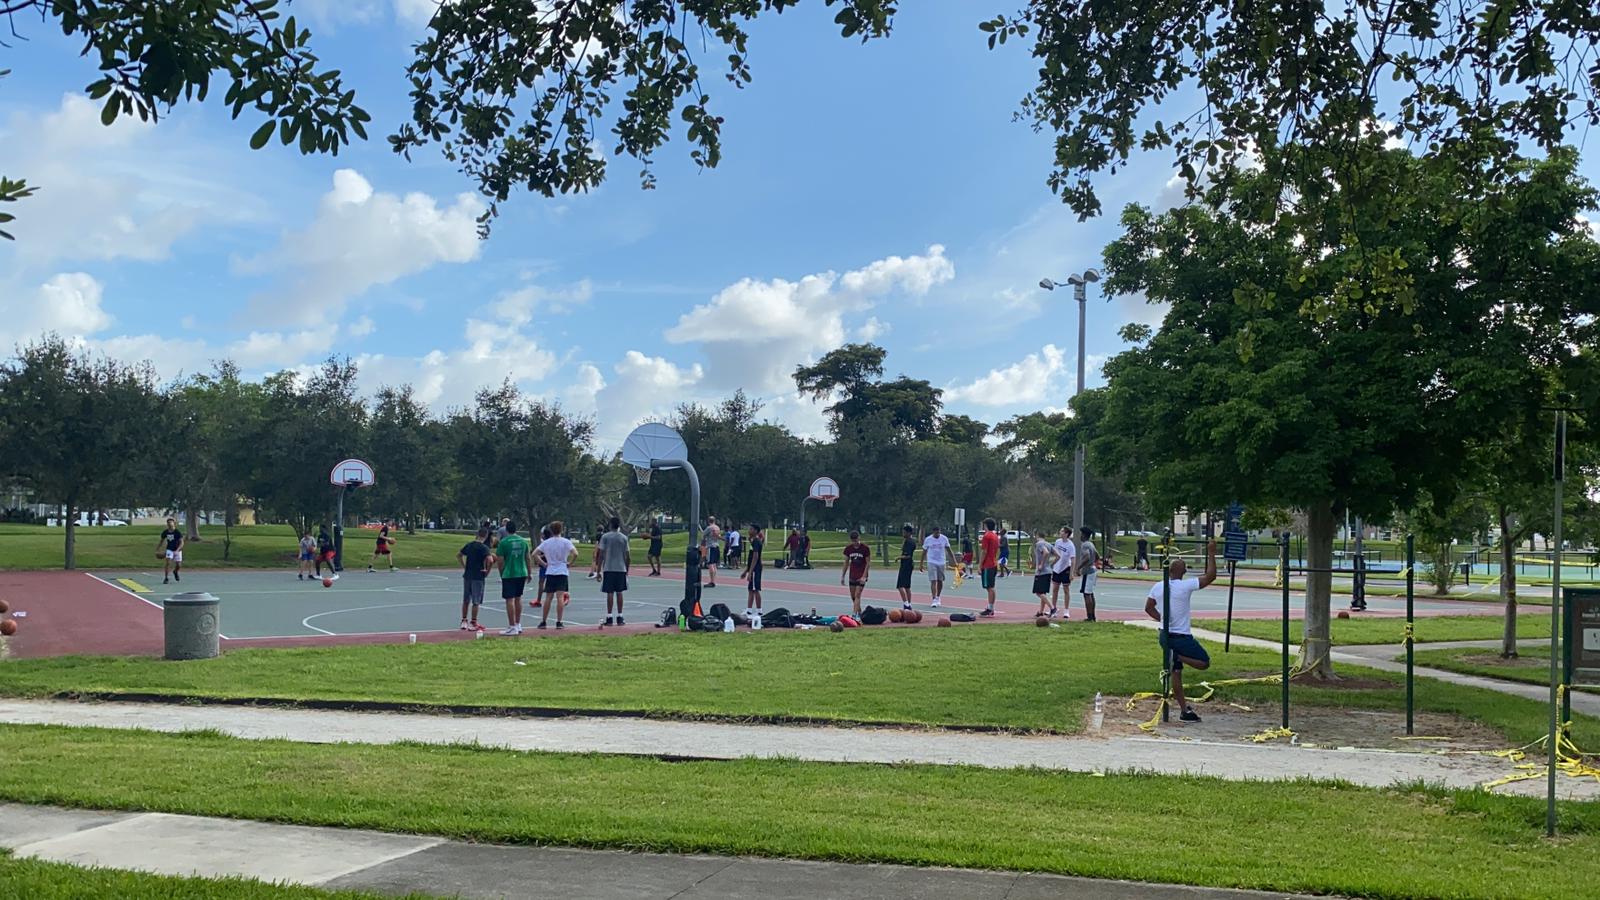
1044,557
615,558
1141,555
654,555
384,549
908,552
752,574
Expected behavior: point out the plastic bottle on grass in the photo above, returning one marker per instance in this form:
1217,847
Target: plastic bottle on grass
1099,710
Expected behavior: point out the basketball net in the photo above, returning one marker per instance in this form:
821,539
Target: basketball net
642,473
828,502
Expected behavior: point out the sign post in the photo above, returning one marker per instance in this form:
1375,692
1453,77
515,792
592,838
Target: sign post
1235,549
1581,638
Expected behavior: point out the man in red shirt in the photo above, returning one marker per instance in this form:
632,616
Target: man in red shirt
857,562
793,546
989,565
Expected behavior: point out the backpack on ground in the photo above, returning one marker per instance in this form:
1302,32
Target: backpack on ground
689,607
962,617
874,615
777,618
669,618
721,612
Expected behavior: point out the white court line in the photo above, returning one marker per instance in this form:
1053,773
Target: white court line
306,622
113,584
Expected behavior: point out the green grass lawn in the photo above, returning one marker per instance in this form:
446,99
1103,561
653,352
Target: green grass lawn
1320,838
38,880
1011,677
271,546
1532,664
1360,630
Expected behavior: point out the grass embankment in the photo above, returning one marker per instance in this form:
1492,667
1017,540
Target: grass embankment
1375,630
38,880
1391,843
275,546
1016,677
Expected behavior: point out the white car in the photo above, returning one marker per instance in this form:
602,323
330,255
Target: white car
1018,536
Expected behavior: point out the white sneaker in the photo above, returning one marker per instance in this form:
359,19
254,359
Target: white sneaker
465,626
1066,614
507,632
517,630
935,603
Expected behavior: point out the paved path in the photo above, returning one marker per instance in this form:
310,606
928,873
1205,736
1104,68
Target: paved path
1191,749
394,863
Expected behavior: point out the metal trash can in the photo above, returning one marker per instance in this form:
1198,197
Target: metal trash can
191,622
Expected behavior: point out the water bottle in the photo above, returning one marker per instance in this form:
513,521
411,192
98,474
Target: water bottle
413,639
1099,710
727,626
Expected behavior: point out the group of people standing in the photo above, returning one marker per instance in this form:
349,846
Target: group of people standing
515,557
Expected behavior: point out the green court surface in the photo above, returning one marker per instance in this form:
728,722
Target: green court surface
260,604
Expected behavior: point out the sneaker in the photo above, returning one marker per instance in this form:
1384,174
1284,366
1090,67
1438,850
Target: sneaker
543,626
536,604
611,620
465,626
558,624
369,570
935,603
1066,614
178,576
166,581
518,629
1088,618
1189,715
475,627
620,621
987,614
508,632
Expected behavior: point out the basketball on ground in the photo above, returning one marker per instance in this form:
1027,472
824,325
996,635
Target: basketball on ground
1042,621
8,627
1344,614
4,607
916,616
836,626
327,582
897,615
944,621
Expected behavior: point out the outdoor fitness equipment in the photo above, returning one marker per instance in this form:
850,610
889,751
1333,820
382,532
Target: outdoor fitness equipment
654,446
348,476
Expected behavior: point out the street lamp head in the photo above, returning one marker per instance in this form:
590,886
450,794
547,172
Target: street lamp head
1090,276
1047,284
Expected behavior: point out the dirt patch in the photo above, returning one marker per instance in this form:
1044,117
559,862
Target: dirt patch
1227,721
1493,661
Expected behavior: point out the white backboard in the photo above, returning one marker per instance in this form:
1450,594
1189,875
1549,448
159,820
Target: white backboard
824,488
354,471
650,442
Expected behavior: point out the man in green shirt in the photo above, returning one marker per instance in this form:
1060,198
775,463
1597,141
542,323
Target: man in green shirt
512,556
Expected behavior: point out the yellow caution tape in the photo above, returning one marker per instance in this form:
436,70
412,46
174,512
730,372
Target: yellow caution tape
1271,734
1151,725
1570,758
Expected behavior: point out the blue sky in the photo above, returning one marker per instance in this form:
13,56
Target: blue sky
877,191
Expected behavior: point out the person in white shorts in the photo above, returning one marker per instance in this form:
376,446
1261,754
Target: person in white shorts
935,556
1088,570
1061,572
170,548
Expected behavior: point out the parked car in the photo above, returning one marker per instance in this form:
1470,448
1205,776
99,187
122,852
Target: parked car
1018,536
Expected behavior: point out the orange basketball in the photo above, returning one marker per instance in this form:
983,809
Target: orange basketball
944,622
327,582
1344,614
897,615
4,607
8,627
1042,621
916,617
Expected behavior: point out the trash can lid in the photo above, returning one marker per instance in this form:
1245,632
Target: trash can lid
191,598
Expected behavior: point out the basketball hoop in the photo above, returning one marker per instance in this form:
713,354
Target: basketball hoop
828,502
642,473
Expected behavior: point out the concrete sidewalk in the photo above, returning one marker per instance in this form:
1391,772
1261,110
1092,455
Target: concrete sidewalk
1203,749
398,864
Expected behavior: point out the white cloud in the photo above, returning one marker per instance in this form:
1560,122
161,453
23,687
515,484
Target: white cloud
361,238
362,327
754,333
127,191
872,329
1032,380
519,306
69,303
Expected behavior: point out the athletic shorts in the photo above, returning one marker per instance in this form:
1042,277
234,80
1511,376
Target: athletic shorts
512,588
935,572
904,581
655,548
472,591
1062,578
541,574
987,577
859,584
305,557
555,584
1041,583
755,580
328,555
1184,645
1090,578
383,548
713,555
613,582
175,555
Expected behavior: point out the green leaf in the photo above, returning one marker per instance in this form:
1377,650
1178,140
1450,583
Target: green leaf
108,113
262,135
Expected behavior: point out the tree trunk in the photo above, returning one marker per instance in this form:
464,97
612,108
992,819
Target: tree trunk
1320,529
1508,585
192,526
70,520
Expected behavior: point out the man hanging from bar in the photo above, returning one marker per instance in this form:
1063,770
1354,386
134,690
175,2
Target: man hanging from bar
1178,644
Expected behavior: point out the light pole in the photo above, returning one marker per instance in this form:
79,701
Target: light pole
1080,293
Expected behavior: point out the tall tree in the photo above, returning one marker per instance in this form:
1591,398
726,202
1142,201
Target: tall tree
1258,402
83,431
410,452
